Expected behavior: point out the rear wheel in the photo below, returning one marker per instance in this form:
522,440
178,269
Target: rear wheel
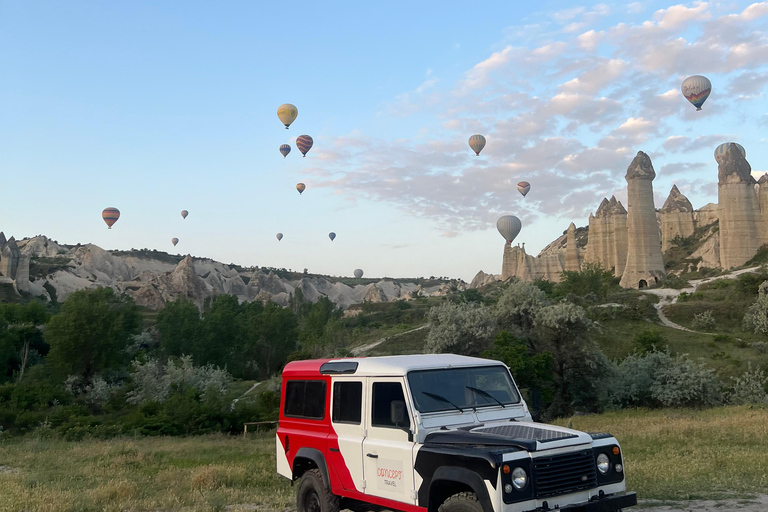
313,496
461,502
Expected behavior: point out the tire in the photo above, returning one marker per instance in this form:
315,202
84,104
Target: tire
313,496
461,502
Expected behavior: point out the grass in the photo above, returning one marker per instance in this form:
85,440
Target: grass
160,474
686,454
669,455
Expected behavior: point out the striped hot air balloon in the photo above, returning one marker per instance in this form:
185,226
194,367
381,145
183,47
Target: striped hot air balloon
524,187
184,214
696,89
304,143
110,216
174,241
301,187
477,143
287,114
279,236
722,149
285,149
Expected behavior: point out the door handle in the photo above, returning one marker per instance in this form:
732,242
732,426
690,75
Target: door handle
372,455
333,449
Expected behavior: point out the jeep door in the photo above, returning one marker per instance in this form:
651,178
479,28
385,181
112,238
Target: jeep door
345,443
388,445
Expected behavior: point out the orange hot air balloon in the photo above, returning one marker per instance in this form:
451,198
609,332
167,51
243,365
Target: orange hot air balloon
110,216
304,143
301,187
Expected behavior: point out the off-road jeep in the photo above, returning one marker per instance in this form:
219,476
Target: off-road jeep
424,433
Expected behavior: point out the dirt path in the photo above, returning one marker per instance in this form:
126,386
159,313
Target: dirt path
359,351
757,503
669,296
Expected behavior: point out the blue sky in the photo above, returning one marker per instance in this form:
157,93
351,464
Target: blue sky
157,107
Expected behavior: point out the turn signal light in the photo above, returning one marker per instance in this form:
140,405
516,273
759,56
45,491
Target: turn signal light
615,450
505,469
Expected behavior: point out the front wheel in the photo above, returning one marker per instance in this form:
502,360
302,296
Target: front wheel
313,496
461,502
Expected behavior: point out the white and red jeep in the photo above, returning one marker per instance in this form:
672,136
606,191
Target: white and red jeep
423,433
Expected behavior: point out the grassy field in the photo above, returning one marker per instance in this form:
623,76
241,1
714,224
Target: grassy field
670,455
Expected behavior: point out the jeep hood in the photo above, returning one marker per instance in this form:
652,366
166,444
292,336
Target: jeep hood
528,436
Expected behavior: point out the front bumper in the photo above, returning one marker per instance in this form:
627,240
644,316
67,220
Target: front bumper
609,503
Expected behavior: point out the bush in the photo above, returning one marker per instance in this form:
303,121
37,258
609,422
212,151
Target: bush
704,321
649,340
155,382
464,328
658,379
518,306
756,317
749,388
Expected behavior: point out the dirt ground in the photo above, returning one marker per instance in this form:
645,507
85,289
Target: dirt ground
754,504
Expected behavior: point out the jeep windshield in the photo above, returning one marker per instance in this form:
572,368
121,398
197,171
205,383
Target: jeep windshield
444,389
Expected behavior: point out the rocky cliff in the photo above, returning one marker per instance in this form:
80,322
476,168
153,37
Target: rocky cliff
47,269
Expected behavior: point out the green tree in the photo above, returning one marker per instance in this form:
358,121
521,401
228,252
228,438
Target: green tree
224,334
312,325
756,317
518,306
179,325
592,279
463,328
530,370
272,335
91,332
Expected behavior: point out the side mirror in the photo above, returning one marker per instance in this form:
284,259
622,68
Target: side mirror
397,412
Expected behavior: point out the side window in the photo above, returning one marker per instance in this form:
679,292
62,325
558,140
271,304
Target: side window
384,394
305,399
347,402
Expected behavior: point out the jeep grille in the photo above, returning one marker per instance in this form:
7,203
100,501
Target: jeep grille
561,474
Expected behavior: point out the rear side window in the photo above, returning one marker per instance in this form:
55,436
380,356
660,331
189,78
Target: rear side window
347,402
305,399
384,393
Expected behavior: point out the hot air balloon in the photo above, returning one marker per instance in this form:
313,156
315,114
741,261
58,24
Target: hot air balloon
285,149
358,273
184,214
331,235
304,143
477,143
722,149
279,236
524,187
696,89
287,114
174,241
110,216
301,187
509,226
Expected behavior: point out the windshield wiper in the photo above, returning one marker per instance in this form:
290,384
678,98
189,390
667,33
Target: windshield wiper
441,398
486,394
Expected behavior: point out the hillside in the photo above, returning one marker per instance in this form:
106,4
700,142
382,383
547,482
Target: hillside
153,278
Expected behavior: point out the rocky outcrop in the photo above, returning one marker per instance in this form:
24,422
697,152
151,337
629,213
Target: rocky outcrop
645,265
572,263
740,212
482,279
9,258
607,244
676,218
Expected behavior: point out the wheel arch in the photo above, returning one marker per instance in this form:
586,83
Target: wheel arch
449,480
310,458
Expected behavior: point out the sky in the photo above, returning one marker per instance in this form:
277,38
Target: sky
155,107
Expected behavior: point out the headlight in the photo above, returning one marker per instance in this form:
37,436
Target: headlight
519,478
603,464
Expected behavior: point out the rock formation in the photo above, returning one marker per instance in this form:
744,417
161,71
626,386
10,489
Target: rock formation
645,265
608,236
572,263
676,218
739,212
14,266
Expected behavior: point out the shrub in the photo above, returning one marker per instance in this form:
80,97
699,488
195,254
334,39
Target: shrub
749,388
704,321
649,340
155,382
518,306
760,346
460,328
756,317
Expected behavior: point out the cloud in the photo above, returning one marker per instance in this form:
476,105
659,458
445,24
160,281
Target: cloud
683,144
